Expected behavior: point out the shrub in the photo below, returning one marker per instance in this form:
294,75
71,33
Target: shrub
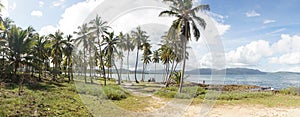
290,91
183,96
243,95
112,92
166,93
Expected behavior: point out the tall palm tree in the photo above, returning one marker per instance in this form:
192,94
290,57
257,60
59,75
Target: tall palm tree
40,49
146,58
68,50
155,59
139,36
19,45
83,39
57,51
121,46
128,47
186,20
98,28
110,42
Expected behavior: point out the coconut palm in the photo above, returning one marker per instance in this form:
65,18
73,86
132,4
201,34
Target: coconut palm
68,50
128,47
109,43
40,51
57,42
146,58
155,59
98,28
186,20
82,38
138,37
19,45
121,45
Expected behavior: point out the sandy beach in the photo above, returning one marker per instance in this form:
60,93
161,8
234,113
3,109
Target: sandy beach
245,111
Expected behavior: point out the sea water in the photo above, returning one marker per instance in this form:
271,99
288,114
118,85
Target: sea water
274,80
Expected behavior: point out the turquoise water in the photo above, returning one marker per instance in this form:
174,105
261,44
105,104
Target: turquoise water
276,81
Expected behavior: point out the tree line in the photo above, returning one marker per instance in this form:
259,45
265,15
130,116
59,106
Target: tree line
95,44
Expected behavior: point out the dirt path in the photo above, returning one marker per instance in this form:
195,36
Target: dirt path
216,111
245,111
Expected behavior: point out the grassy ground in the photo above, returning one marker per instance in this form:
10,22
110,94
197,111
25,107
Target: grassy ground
41,99
69,99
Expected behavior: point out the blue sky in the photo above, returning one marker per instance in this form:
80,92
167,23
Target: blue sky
260,34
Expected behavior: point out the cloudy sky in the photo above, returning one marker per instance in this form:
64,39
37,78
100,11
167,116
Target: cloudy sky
256,34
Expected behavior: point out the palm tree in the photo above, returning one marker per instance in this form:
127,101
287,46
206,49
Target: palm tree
139,35
128,47
19,46
98,28
40,49
121,46
68,50
83,39
57,51
186,17
146,57
109,44
155,59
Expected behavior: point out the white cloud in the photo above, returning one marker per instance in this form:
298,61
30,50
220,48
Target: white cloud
218,21
37,13
4,11
75,15
289,58
49,29
58,3
252,13
249,54
269,21
13,6
41,3
287,44
294,69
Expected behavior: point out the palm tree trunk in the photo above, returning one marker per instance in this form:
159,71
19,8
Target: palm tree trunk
128,78
90,64
143,72
119,77
84,66
170,74
183,65
136,64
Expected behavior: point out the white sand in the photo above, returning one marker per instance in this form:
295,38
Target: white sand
245,111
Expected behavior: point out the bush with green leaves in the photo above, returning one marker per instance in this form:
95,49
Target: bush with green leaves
187,92
290,91
112,92
243,95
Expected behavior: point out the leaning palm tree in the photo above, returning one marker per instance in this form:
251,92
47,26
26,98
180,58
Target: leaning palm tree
186,20
110,42
57,51
139,36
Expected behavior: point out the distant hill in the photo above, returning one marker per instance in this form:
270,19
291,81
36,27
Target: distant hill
209,71
228,71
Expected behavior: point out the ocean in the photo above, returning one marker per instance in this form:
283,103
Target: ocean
274,80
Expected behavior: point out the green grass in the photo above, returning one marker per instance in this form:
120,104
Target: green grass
43,99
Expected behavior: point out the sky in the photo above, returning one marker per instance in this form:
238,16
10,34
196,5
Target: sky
259,34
